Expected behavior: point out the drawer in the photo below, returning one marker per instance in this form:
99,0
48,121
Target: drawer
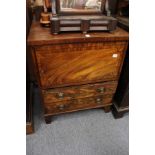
74,92
76,64
79,104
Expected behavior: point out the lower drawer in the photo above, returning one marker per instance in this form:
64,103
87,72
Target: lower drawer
76,92
78,104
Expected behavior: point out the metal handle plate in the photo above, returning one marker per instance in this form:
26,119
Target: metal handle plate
100,90
61,107
61,95
99,100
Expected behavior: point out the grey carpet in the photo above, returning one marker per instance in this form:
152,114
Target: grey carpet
90,132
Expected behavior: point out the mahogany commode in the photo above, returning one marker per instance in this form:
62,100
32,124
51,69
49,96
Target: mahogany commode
76,71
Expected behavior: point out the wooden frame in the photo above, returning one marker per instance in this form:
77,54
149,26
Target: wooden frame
56,10
84,21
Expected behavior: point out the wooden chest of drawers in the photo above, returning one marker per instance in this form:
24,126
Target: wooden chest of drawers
76,71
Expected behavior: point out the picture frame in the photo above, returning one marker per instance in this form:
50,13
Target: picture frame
81,15
78,7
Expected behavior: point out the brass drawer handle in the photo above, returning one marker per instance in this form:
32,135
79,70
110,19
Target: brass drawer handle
99,101
101,90
61,95
61,107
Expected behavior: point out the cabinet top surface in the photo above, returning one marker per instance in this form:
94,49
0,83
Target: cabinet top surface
42,36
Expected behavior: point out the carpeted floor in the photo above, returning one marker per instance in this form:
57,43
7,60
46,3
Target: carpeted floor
90,132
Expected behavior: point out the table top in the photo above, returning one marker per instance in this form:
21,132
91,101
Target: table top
42,36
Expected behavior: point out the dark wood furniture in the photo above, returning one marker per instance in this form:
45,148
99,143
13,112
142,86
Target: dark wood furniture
121,98
29,109
76,71
84,15
29,76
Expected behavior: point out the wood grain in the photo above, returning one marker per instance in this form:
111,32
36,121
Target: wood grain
79,104
42,36
76,65
73,64
82,91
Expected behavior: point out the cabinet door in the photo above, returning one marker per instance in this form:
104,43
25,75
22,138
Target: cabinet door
72,64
